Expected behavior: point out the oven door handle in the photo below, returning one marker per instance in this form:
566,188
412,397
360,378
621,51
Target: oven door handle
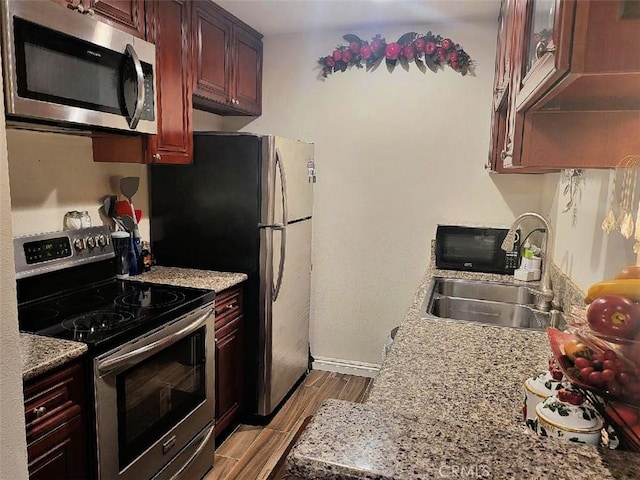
198,451
142,353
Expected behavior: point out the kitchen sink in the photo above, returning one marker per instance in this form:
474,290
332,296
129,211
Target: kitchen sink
479,290
487,303
490,313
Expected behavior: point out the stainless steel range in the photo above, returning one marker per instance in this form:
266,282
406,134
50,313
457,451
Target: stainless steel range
151,351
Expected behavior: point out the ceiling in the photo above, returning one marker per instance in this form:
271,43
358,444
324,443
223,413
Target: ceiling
273,17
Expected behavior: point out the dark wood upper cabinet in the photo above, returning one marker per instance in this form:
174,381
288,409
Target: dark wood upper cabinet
127,15
573,83
227,62
168,26
170,22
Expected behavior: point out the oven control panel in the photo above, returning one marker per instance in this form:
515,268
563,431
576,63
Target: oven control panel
41,253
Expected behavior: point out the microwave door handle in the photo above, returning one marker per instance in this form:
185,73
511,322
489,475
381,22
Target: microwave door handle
285,220
137,112
144,352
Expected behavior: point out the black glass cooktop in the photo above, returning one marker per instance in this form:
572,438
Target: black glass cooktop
109,313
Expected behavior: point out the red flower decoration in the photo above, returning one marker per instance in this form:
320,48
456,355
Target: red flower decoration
392,51
430,48
365,51
408,52
426,51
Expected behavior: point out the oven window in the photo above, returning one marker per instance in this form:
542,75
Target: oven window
158,393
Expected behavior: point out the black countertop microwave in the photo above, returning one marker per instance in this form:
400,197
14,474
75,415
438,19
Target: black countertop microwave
64,68
474,249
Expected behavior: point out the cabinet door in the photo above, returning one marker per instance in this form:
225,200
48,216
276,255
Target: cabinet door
170,29
125,15
228,386
211,53
545,46
59,455
54,408
247,74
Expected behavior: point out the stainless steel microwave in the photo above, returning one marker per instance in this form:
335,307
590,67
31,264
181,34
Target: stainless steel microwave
475,249
64,68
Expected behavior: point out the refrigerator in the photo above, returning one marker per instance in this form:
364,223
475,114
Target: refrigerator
245,205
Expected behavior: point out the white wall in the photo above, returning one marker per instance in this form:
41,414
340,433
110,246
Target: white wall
13,447
396,154
52,173
584,251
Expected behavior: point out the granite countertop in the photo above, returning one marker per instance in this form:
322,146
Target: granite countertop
190,277
42,354
447,404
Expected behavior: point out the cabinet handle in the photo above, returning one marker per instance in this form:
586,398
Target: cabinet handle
504,154
541,49
156,157
39,411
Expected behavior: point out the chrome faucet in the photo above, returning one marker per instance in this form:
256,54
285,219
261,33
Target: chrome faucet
545,294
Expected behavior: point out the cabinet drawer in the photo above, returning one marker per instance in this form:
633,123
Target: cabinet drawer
228,306
53,400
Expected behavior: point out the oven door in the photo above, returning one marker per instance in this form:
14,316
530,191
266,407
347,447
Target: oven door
155,401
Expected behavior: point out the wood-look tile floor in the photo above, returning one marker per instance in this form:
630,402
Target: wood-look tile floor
253,452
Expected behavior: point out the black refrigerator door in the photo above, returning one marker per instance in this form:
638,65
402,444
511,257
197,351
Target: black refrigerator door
206,215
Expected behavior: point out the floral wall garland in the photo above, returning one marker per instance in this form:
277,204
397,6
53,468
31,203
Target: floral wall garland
426,51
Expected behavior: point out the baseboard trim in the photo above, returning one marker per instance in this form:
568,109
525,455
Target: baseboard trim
346,366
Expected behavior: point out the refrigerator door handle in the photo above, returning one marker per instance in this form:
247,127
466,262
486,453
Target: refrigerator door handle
281,226
275,226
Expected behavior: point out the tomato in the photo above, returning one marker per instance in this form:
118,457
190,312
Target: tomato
622,414
595,379
582,362
574,348
614,315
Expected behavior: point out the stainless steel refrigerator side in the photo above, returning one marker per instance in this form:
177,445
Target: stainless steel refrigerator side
266,275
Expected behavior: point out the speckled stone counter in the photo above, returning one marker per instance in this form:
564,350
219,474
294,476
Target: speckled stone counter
42,354
189,277
447,404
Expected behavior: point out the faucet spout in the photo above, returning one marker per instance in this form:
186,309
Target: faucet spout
545,294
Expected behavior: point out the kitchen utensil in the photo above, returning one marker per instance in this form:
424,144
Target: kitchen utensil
129,187
626,200
123,208
610,222
118,221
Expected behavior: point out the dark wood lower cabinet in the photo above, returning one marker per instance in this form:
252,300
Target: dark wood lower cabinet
229,358
55,424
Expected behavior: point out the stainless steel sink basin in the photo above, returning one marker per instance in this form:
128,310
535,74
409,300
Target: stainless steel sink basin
487,303
491,313
479,290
